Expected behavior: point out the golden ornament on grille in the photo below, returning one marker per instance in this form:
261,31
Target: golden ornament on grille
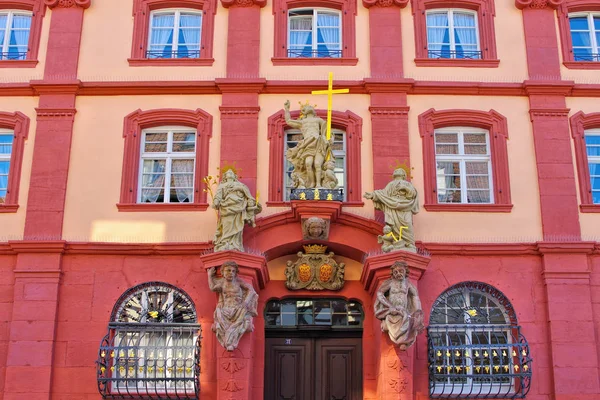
304,272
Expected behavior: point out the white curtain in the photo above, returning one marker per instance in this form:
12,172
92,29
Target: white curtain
153,182
161,36
190,33
183,182
437,32
328,31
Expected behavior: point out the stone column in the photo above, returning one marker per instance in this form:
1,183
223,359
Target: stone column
396,367
235,368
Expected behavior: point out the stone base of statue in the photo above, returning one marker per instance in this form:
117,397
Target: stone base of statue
396,366
234,368
317,194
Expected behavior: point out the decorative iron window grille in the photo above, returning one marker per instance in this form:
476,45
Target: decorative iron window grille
475,346
587,57
461,54
302,53
333,313
152,348
13,55
173,54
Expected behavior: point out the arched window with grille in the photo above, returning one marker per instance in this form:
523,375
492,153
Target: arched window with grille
475,345
152,348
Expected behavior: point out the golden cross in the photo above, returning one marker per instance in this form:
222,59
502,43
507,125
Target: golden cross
330,92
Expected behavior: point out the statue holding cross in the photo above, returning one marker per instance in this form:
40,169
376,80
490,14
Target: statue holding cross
309,156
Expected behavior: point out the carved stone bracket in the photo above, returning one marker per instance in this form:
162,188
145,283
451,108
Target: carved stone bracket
385,3
377,268
68,3
252,268
538,4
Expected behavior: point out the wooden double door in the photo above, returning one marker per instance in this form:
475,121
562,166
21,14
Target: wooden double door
313,367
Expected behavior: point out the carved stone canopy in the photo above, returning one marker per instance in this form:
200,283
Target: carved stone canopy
314,270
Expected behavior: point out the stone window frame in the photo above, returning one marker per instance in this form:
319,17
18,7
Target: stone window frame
564,29
579,123
346,121
19,124
348,9
38,10
134,124
492,121
485,11
142,10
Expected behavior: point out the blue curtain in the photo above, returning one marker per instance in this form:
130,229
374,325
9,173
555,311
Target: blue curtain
161,37
19,37
465,35
438,39
300,36
328,34
581,39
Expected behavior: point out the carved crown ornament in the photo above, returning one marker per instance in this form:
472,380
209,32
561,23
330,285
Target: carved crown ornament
385,3
538,4
314,270
68,3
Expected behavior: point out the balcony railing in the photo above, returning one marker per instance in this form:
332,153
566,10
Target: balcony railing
301,53
13,55
460,54
158,361
173,54
587,57
478,361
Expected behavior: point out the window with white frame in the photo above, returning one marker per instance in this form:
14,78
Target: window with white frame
14,34
167,163
592,146
314,33
175,34
475,345
463,164
338,153
452,33
6,145
585,36
152,347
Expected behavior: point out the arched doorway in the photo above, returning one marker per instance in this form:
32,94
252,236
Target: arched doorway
313,349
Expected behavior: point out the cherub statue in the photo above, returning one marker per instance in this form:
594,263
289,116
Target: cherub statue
387,240
236,306
330,181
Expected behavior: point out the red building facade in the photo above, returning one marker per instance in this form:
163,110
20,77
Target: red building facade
65,261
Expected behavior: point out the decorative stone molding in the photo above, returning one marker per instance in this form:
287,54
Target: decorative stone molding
389,111
133,125
67,3
377,268
38,10
56,112
243,3
384,3
566,43
19,124
497,127
579,123
538,4
548,112
236,112
252,268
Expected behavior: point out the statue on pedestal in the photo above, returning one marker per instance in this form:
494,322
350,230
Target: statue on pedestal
236,207
236,306
398,201
309,155
399,308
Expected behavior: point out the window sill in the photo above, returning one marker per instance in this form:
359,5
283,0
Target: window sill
151,207
313,61
582,64
9,208
18,63
455,62
500,208
180,62
589,208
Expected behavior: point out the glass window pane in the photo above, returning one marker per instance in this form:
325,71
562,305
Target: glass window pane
446,138
594,168
449,196
190,20
3,182
2,196
595,182
446,149
581,39
474,138
476,168
476,149
339,320
478,196
596,197
478,182
184,137
184,147
157,137
154,166
288,319
578,23
155,148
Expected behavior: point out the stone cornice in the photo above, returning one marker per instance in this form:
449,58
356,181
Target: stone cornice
56,87
385,3
557,87
68,3
241,111
243,3
538,4
55,112
233,85
389,111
